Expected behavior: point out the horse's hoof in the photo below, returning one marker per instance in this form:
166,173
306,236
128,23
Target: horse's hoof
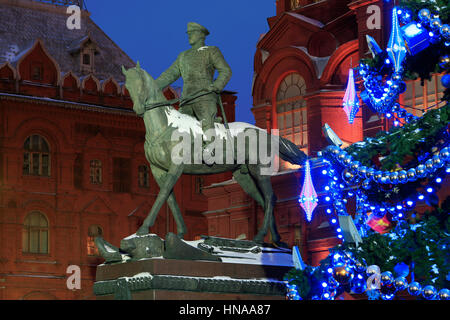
259,239
280,244
142,231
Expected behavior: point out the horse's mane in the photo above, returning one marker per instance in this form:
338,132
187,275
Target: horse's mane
148,91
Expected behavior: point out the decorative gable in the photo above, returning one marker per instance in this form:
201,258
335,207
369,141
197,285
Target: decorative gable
85,49
37,65
97,206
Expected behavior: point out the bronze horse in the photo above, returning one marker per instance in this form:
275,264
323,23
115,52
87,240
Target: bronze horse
163,121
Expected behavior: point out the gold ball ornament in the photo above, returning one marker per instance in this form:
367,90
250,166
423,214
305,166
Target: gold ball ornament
342,274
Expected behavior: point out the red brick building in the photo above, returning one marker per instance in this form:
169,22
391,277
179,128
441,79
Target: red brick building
72,160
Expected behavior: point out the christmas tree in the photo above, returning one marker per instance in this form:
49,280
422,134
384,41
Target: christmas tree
405,250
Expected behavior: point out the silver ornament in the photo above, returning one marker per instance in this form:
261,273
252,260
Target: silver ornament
393,176
424,15
421,171
429,165
341,155
444,294
436,23
411,174
387,278
437,161
429,292
414,289
366,184
400,283
402,176
445,154
370,173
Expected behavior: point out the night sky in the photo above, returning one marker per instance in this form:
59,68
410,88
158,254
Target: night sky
153,32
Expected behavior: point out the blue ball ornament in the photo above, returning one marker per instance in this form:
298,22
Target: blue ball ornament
401,269
400,283
414,288
444,294
429,293
445,31
437,161
387,278
424,15
446,81
445,154
421,171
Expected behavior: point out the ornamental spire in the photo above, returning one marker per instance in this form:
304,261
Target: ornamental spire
308,197
351,101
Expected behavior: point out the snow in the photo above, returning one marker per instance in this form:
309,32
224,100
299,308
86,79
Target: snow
319,62
134,235
269,256
185,123
109,249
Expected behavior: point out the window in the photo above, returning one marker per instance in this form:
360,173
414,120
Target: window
87,59
144,176
93,232
35,233
96,171
121,175
36,156
78,171
199,182
37,71
418,99
291,110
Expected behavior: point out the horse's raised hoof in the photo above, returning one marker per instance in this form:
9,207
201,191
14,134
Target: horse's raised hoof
142,231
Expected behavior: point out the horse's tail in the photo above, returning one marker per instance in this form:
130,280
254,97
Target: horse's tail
290,152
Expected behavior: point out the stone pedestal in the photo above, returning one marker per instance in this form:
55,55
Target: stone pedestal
171,279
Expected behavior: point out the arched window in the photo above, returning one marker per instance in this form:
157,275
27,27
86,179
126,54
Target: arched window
96,171
35,233
144,176
291,110
93,232
36,156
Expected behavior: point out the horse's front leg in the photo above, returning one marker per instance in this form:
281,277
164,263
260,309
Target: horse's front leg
166,187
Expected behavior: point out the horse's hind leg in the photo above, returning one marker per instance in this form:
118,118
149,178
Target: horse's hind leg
166,187
159,176
249,186
265,186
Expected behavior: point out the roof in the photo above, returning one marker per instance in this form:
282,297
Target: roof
22,22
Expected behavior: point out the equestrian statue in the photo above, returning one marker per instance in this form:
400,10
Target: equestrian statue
246,159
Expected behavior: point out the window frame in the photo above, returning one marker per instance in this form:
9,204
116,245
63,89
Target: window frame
27,231
34,159
96,172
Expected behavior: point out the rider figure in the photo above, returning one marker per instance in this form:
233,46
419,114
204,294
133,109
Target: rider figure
197,66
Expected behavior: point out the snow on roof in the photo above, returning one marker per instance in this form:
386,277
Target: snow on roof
319,62
306,19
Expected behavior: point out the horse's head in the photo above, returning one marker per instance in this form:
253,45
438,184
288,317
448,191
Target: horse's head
142,88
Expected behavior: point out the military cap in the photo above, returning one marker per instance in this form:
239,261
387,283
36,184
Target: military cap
191,26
